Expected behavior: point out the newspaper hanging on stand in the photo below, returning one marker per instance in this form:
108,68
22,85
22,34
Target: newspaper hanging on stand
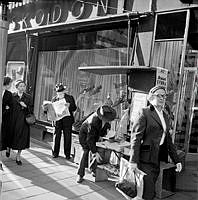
56,110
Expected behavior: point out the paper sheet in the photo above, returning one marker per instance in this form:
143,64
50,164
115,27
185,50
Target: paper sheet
61,109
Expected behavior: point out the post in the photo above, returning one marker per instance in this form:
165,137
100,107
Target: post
3,44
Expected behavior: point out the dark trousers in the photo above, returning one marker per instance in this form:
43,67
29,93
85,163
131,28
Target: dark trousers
84,163
152,173
66,127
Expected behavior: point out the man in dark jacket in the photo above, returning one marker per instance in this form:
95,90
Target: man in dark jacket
64,124
151,141
94,127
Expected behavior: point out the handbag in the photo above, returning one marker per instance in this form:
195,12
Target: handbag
30,119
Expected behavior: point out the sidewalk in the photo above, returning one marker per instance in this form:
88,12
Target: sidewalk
42,177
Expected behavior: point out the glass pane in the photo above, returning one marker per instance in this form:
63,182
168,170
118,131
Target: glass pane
114,38
183,120
167,55
171,25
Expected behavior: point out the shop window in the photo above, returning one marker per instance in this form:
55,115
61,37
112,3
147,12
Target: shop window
99,48
171,25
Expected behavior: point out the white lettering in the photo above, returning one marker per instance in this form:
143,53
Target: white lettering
48,18
56,15
104,6
39,17
77,9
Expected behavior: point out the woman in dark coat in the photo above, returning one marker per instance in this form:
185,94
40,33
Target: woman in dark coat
22,106
7,108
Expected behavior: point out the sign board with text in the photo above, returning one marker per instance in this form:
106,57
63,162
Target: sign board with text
161,77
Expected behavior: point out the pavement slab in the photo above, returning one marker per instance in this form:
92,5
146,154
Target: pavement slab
42,177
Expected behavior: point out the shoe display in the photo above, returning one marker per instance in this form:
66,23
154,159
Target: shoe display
79,179
18,162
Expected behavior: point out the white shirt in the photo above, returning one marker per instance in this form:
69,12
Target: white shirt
3,92
161,116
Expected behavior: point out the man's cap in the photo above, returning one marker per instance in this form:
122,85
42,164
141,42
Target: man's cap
153,90
157,87
106,113
60,87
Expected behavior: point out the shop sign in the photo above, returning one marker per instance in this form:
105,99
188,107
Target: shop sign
161,77
42,13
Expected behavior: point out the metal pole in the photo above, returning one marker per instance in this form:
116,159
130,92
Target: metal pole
27,75
128,41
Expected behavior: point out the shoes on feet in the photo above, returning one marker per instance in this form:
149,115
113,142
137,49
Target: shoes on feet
79,179
54,155
93,174
67,157
18,162
7,153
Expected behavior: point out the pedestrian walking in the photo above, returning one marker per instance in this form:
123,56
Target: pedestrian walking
94,127
64,124
151,141
22,106
7,110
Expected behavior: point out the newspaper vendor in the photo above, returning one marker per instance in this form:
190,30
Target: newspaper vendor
94,127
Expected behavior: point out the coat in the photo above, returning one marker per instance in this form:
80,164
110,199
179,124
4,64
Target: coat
146,134
7,110
90,132
21,130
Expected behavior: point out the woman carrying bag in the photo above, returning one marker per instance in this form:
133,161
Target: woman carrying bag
22,107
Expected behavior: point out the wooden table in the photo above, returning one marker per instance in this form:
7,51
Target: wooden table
120,149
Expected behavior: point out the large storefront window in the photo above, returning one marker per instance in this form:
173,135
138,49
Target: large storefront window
99,48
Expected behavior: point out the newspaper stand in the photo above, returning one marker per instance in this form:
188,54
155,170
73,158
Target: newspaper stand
139,81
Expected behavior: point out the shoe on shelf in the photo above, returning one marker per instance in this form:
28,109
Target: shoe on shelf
18,162
79,179
7,153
